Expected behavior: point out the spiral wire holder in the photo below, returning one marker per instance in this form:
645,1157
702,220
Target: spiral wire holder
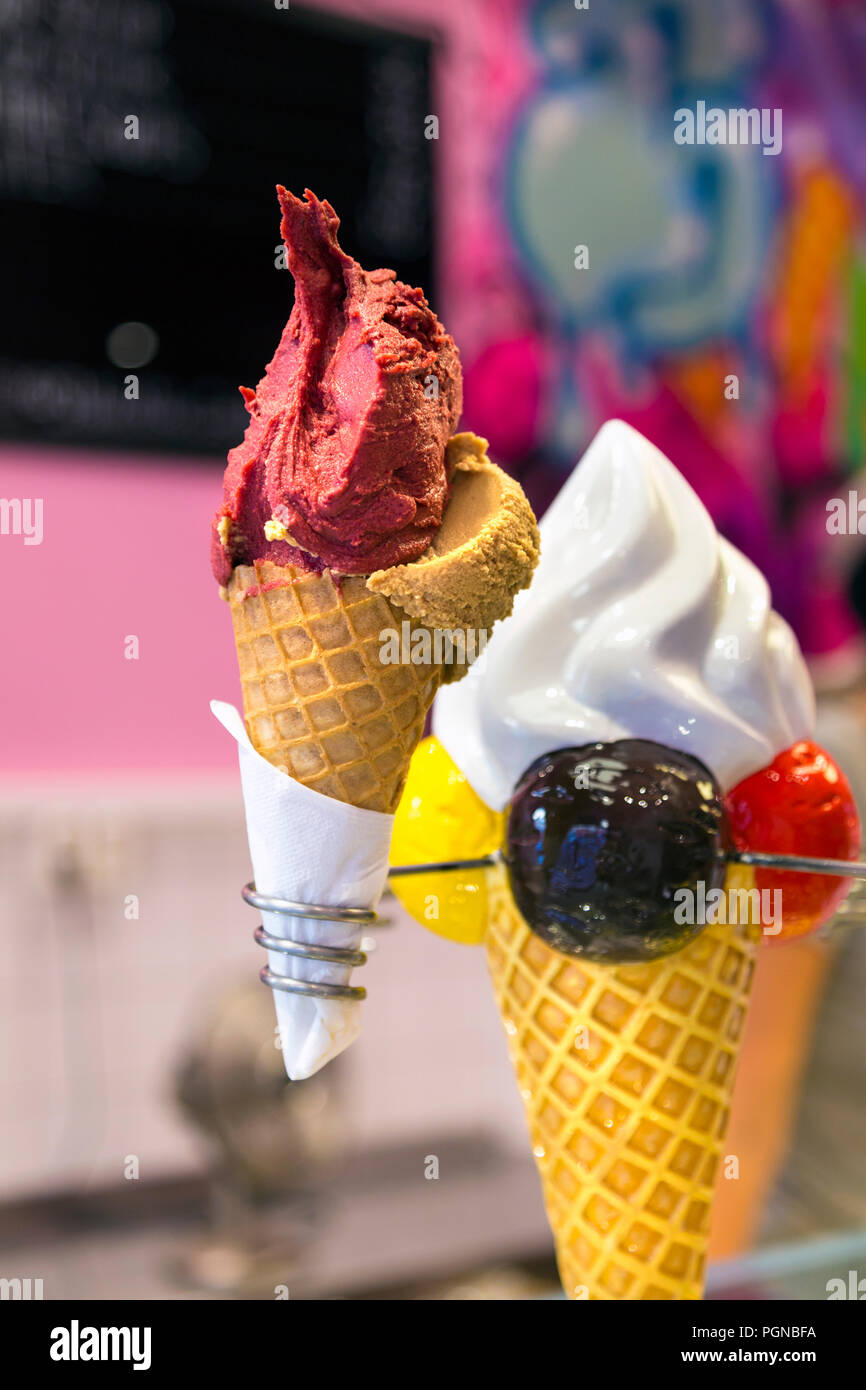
330,955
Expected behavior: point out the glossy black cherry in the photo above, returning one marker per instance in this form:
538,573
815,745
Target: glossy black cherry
600,838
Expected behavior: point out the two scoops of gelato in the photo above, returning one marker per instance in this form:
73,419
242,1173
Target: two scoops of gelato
351,511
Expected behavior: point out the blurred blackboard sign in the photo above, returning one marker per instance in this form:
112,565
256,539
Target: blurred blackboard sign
140,142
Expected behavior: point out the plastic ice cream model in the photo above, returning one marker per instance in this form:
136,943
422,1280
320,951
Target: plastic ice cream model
641,622
365,550
642,723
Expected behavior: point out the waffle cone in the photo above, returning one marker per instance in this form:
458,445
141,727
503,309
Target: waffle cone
318,702
626,1075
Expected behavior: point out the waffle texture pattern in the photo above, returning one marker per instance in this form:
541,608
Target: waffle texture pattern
626,1075
318,702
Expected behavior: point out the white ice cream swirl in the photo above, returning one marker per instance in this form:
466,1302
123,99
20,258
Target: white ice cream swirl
641,621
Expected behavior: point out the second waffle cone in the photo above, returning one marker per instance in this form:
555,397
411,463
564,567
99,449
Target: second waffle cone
318,702
626,1073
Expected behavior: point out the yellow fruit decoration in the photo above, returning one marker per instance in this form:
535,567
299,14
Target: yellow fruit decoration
440,817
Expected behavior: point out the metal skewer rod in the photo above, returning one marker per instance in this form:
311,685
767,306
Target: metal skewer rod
797,863
800,863
445,866
348,957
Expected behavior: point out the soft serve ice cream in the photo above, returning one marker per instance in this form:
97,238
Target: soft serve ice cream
641,621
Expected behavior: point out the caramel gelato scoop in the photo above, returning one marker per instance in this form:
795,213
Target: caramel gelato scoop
484,552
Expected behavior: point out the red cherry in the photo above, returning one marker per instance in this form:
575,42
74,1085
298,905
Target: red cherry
801,804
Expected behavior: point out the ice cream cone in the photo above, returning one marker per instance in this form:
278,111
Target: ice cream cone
626,1074
319,703
322,699
353,521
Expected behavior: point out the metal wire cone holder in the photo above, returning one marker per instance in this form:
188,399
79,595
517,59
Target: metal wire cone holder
367,916
329,955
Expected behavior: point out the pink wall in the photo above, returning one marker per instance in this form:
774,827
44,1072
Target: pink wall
124,552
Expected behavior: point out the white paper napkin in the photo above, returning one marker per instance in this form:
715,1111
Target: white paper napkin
310,849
